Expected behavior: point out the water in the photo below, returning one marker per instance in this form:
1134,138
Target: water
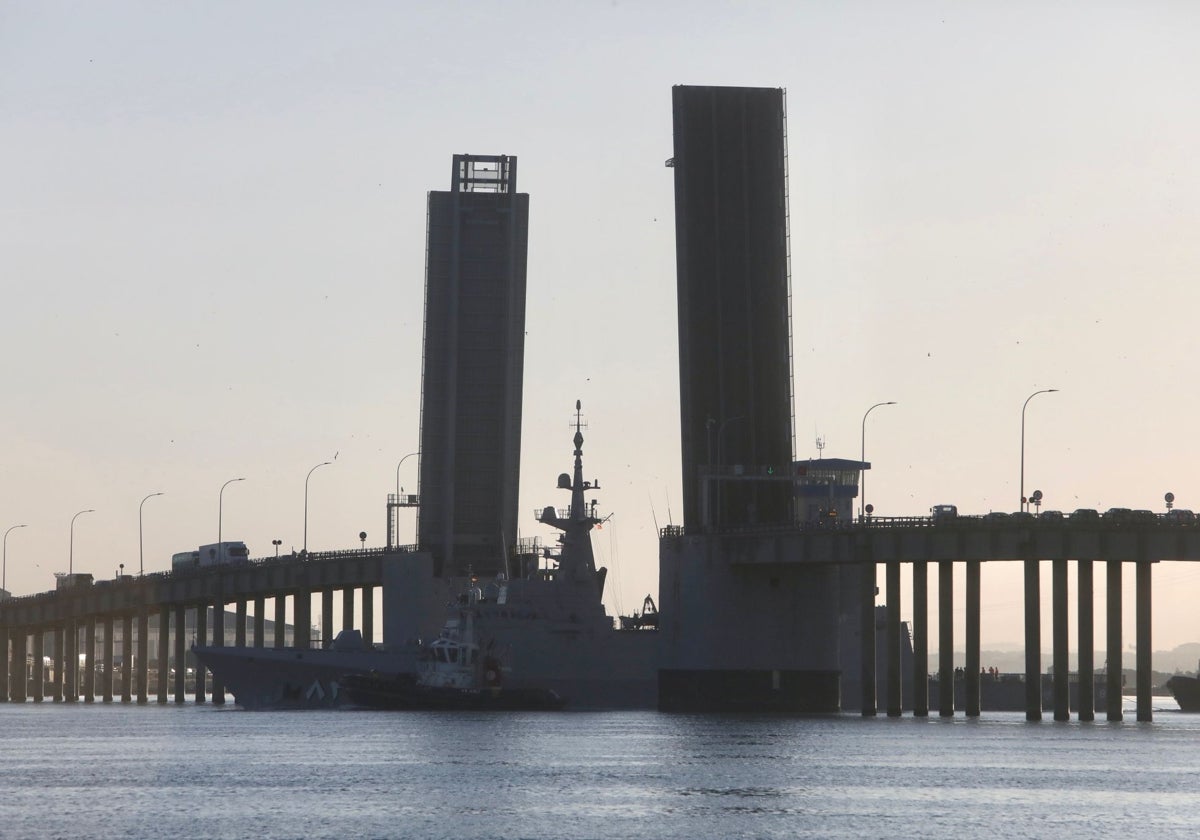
205,772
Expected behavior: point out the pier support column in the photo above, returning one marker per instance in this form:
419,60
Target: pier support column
201,639
107,662
946,638
895,697
5,665
368,614
239,627
71,665
56,687
920,626
302,619
1145,710
39,664
128,664
972,669
260,622
1087,644
218,640
1113,688
326,617
17,685
281,619
163,667
142,664
180,652
867,632
1033,641
1060,623
348,608
89,661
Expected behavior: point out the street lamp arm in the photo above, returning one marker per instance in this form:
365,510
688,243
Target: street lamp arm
4,573
862,457
141,556
71,555
1023,407
306,478
398,466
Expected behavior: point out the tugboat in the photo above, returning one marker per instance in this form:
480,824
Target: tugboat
452,674
1186,691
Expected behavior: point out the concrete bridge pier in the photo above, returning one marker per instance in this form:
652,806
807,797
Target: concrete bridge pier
106,675
16,671
180,652
1145,710
218,640
895,699
143,656
56,687
1033,642
946,638
1059,624
239,626
368,614
71,665
89,661
128,664
201,639
972,687
281,619
326,617
1113,666
39,664
260,623
5,665
920,629
164,653
867,633
348,608
1087,657
302,618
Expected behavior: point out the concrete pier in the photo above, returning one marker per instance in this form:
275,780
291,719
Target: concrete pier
71,666
108,662
20,649
326,617
180,652
1033,642
89,661
920,630
39,668
347,608
895,701
239,625
260,621
143,656
368,614
302,618
56,687
1059,622
1086,642
866,605
5,665
946,638
162,689
218,640
1145,710
280,618
972,668
1114,689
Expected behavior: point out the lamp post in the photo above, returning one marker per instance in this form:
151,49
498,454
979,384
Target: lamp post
1023,407
71,557
221,506
398,466
862,498
141,561
4,574
306,478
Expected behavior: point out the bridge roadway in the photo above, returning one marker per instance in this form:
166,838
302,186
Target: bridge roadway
967,542
65,613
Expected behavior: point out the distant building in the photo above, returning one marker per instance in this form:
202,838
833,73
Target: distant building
731,243
471,392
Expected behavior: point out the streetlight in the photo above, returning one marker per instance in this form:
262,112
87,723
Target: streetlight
71,557
4,574
221,509
398,466
141,564
863,457
1027,399
306,478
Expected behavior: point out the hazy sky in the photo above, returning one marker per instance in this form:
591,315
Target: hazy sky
212,221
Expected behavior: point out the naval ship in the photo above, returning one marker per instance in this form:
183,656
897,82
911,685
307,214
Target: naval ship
547,625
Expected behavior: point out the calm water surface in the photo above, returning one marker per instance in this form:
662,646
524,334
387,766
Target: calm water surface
203,772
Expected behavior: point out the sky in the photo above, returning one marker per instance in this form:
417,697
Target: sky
212,221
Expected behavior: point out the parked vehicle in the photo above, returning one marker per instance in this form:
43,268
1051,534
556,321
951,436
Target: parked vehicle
1085,515
1180,516
229,553
943,513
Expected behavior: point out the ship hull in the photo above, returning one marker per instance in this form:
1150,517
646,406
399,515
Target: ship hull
1186,691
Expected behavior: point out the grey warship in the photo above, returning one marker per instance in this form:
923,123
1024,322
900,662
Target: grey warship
546,623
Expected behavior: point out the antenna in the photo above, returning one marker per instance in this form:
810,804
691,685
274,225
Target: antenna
652,514
670,519
820,447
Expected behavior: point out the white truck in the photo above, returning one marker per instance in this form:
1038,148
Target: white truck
229,553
